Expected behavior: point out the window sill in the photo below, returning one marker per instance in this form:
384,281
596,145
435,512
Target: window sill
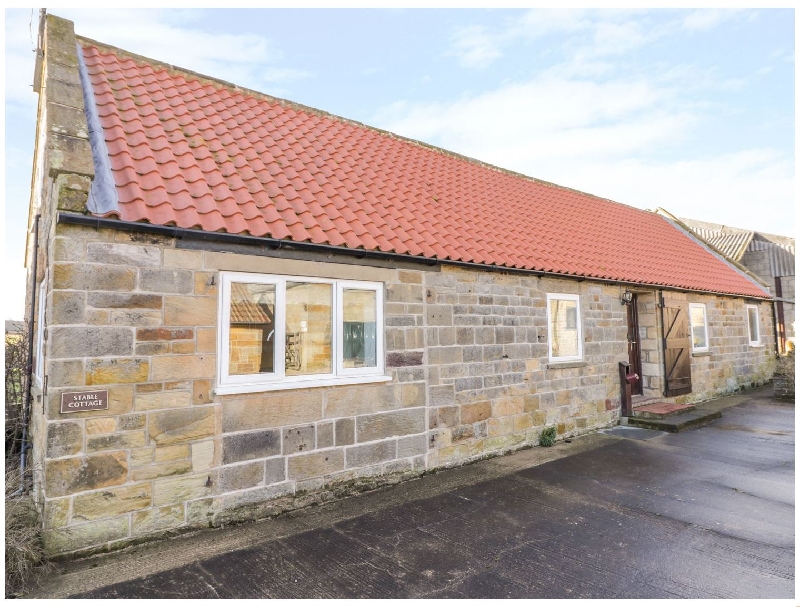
756,345
299,385
699,354
571,364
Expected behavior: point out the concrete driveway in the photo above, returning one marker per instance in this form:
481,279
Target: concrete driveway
707,513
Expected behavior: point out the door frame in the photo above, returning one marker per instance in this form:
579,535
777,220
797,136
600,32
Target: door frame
635,345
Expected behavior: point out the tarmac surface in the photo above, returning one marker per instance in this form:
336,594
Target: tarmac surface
705,513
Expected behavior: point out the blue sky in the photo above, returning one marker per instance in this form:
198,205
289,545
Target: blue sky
689,110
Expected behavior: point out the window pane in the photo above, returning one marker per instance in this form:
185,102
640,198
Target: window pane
752,319
359,330
564,327
308,328
698,321
252,329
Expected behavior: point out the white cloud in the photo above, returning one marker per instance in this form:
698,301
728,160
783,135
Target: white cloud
706,19
614,139
474,47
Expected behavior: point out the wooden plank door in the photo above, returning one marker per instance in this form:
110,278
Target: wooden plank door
677,347
634,347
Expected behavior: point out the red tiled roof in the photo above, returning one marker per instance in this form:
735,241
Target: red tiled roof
208,156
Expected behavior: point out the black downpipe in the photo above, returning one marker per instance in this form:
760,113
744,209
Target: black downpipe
29,363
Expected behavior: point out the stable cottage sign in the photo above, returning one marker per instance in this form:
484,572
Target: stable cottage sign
75,402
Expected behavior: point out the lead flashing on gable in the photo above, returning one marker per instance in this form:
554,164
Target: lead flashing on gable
103,198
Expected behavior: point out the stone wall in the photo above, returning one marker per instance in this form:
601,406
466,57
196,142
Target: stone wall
466,351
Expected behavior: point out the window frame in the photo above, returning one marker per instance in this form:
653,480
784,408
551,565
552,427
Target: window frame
278,380
38,373
757,342
705,326
579,321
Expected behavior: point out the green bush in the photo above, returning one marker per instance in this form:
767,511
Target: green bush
548,437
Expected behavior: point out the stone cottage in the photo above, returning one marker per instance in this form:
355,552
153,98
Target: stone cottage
243,305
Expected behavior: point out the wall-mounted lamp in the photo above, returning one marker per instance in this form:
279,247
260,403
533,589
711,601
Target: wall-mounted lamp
626,298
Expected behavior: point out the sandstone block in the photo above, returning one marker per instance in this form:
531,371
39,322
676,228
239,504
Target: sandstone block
101,425
67,476
132,422
413,395
134,318
255,496
56,513
79,342
181,425
162,400
86,277
182,347
171,453
123,254
142,456
409,446
107,442
201,392
156,519
176,490
508,406
166,281
76,537
325,435
404,293
359,400
69,155
190,310
68,308
205,283
299,438
72,192
111,502
126,300
365,455
116,371
68,121
161,470
64,438
241,476
476,412
317,463
64,373
275,470
441,395
345,431
272,411
396,423
404,359
206,340
250,445
163,334
188,260
203,456
67,249
439,315
182,367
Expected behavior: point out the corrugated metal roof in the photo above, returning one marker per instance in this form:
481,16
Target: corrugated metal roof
781,257
731,244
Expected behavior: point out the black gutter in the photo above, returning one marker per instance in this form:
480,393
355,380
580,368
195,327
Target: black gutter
276,243
29,363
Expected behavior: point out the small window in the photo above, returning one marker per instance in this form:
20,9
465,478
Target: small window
752,325
697,319
39,370
284,331
564,328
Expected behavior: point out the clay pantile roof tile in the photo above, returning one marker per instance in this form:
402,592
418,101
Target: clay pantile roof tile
200,155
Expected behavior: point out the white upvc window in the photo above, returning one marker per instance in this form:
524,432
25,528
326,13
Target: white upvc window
279,332
39,370
754,334
564,337
699,324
